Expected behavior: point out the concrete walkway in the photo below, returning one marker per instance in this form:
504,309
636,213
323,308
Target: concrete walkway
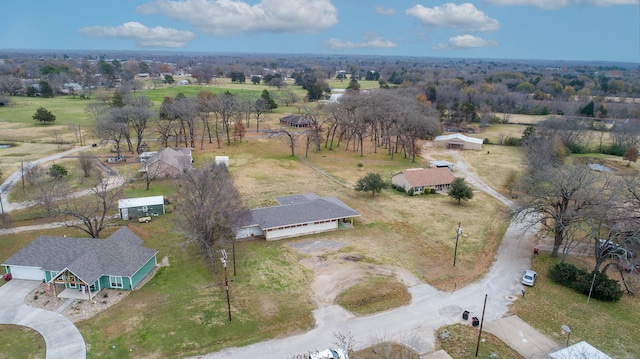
522,337
62,338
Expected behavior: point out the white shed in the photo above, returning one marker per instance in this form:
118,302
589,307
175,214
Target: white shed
141,207
222,160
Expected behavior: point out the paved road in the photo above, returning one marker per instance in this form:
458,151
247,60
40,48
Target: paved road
415,325
13,178
61,336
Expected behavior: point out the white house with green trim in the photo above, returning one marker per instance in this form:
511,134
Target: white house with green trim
84,266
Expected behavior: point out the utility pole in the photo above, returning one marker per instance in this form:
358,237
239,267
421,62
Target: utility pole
22,176
226,280
481,323
1,206
455,251
233,254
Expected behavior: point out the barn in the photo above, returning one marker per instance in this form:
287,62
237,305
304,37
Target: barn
141,207
458,141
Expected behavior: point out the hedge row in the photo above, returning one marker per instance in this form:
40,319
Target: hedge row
578,279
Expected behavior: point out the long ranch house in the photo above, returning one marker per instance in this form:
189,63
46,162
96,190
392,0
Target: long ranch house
297,215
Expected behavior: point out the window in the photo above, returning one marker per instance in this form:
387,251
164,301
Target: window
116,282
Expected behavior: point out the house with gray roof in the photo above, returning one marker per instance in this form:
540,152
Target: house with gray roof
167,162
297,215
84,266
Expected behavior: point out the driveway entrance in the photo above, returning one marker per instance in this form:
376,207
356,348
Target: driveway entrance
61,336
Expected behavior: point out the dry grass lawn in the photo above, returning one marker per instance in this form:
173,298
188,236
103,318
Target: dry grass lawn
416,233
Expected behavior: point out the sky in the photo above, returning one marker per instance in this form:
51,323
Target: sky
565,30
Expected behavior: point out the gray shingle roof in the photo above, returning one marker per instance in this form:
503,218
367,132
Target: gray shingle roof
121,254
301,209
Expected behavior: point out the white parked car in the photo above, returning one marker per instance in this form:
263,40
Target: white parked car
529,277
330,354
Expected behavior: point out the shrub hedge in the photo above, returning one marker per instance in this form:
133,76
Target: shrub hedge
578,279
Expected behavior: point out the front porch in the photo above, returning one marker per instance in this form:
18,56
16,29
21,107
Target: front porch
74,293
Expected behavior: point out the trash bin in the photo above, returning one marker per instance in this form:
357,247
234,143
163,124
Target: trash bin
475,321
465,315
7,277
535,250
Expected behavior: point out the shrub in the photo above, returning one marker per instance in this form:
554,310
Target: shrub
57,171
486,141
512,141
578,279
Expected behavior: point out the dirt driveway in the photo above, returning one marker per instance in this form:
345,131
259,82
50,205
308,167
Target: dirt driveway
335,271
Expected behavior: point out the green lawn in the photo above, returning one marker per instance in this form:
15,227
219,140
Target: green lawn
21,342
608,326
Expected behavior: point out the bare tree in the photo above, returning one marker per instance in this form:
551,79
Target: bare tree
47,192
92,212
227,110
32,173
112,131
290,138
210,208
562,196
138,114
96,109
87,162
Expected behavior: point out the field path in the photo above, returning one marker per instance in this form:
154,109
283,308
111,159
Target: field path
112,179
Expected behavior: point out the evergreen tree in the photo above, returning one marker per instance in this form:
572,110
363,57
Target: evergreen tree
371,182
43,115
460,190
268,100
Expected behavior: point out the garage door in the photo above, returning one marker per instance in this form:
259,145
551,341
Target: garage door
29,273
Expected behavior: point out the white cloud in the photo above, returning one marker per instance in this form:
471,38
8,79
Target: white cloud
142,35
464,17
463,42
371,41
382,10
559,4
231,17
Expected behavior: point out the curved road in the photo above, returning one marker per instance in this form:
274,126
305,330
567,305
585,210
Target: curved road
414,325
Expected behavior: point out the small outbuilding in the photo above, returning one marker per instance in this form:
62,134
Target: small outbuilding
458,141
440,164
421,180
141,207
295,121
222,160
